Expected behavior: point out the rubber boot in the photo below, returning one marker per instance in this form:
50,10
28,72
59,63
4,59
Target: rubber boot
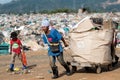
24,67
55,72
11,67
67,70
116,61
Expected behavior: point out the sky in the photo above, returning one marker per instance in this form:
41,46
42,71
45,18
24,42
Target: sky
4,1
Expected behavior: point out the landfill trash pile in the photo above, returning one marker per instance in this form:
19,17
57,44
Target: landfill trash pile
29,25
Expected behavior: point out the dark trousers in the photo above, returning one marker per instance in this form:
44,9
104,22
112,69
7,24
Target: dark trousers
62,62
114,56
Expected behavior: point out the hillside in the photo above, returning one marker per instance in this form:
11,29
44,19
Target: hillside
23,6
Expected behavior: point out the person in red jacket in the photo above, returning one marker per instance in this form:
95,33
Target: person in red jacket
15,50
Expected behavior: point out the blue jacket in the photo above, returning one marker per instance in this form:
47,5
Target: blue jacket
53,36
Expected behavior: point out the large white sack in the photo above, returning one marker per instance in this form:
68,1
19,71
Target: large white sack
84,25
92,46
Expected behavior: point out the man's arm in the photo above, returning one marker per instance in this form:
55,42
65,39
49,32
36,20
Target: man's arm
65,44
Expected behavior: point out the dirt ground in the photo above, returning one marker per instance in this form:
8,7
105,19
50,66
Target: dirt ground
39,69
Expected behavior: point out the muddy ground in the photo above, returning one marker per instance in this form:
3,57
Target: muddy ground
39,69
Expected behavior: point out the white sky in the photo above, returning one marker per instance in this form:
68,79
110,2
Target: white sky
4,1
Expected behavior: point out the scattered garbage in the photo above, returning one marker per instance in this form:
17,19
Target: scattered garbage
29,24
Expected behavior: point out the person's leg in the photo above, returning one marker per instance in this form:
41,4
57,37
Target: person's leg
54,68
114,56
116,59
62,62
112,51
12,61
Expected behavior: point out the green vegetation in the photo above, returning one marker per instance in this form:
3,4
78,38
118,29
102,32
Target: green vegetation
55,6
64,10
